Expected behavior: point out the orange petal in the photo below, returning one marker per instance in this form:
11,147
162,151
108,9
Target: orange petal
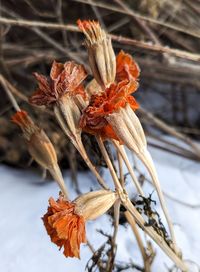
127,68
56,70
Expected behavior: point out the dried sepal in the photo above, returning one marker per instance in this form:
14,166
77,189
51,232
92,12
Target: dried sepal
93,204
93,88
101,55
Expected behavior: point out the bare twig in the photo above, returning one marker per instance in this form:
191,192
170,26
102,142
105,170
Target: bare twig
120,39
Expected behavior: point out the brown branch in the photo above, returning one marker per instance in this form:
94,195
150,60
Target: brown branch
120,39
170,130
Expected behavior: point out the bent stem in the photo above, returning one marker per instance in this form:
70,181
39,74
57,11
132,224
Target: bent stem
123,154
145,157
77,142
132,223
135,128
137,216
157,238
57,175
109,164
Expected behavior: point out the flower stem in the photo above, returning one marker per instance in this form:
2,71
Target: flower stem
145,157
77,142
57,175
157,238
132,223
109,163
123,154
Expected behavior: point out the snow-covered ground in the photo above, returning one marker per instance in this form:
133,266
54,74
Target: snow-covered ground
25,246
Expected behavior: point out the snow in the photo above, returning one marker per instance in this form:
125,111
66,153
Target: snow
25,246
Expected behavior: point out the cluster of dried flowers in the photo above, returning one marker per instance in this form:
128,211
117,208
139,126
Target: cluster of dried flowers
104,108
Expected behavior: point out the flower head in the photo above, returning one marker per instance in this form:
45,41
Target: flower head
64,226
115,97
101,55
127,68
65,221
64,78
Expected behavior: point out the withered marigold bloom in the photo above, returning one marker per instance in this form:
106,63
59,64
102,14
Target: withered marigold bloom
127,68
65,221
64,78
93,119
39,146
64,226
101,55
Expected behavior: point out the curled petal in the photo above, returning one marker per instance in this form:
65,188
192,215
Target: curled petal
44,95
64,78
127,68
115,97
65,227
56,70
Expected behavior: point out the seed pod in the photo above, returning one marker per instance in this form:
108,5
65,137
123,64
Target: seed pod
93,204
100,51
40,147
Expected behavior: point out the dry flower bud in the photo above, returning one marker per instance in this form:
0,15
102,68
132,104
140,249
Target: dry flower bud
101,55
39,146
94,204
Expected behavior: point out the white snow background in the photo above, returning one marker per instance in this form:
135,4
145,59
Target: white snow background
25,245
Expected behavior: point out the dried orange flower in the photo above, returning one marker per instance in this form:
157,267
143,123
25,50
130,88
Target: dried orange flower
115,97
127,68
64,226
65,221
64,78
101,55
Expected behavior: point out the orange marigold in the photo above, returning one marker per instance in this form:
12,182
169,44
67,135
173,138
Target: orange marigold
127,68
64,78
65,227
114,97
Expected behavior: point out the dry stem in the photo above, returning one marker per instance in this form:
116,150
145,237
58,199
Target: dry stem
79,146
133,225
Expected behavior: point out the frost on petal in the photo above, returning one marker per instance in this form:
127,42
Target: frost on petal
65,227
127,68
